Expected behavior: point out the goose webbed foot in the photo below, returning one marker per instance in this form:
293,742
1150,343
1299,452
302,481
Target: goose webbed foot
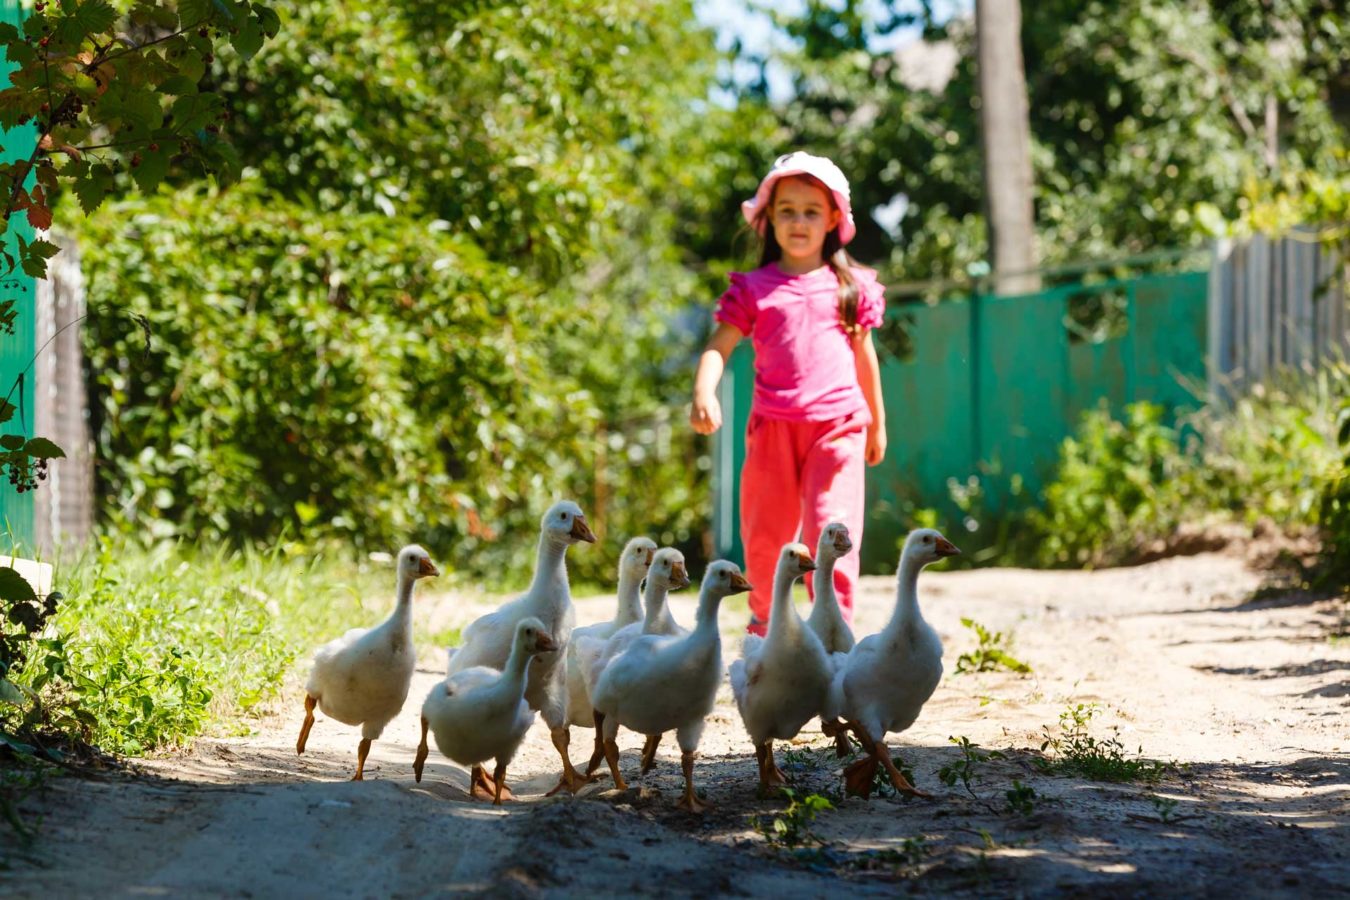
571,780
858,777
481,787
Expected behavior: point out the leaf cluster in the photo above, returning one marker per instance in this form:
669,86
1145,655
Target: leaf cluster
991,654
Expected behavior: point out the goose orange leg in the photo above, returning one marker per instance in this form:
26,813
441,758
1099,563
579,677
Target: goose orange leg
776,775
690,801
839,731
362,751
612,757
649,752
598,754
499,779
571,780
309,723
420,760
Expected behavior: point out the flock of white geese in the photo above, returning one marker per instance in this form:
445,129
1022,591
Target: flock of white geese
641,670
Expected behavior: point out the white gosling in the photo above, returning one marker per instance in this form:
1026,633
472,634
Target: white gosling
667,573
634,562
362,678
890,675
487,642
667,683
480,713
826,619
783,679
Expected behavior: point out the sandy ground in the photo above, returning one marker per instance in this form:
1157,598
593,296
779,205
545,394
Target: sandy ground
1248,698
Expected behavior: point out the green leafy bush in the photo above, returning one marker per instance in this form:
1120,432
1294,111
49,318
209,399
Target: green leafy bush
1126,487
1333,513
370,380
1113,490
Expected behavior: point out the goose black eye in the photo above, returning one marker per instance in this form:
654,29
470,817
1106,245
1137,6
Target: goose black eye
927,539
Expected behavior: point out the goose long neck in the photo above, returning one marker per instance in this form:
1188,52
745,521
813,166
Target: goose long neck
906,597
655,600
629,609
550,569
402,616
706,618
782,616
513,675
822,579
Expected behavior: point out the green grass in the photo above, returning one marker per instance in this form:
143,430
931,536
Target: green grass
152,647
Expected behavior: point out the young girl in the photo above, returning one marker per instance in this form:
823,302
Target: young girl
817,414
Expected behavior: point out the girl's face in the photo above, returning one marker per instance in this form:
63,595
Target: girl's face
802,215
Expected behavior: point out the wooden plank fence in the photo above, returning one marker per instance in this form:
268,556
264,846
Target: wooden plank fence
1274,304
63,513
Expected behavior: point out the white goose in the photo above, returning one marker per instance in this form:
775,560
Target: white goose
827,620
634,562
666,683
480,713
487,642
667,573
362,678
890,675
782,680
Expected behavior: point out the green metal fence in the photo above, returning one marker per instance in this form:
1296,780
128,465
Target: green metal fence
16,350
991,385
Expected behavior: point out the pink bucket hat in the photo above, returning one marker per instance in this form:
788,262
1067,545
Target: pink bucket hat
802,163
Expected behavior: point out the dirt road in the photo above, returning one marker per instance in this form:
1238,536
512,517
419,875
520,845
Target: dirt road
1247,700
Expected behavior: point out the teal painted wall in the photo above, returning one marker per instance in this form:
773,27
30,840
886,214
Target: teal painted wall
16,350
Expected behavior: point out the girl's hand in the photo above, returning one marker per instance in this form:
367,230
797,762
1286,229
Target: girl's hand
706,414
876,445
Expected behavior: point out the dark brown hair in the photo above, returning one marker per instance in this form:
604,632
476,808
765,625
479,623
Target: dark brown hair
833,252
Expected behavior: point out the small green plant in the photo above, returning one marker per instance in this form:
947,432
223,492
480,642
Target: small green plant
1078,752
1021,798
1166,807
991,654
793,828
801,760
964,769
903,859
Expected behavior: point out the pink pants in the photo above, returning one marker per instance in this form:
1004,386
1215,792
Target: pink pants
799,477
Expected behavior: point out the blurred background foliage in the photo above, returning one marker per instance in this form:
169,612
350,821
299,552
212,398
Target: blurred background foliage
474,247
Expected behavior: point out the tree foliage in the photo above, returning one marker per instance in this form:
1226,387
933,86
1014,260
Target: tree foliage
444,295
1140,112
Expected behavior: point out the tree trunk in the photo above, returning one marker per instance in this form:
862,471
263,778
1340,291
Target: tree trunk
1006,133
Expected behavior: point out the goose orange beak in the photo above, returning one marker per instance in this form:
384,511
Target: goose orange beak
427,568
806,562
543,643
651,555
946,548
581,531
739,585
681,576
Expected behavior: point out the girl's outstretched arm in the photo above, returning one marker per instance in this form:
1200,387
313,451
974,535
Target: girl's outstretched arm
869,379
706,414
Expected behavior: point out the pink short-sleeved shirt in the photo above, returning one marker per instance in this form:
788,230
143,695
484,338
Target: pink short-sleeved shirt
804,367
